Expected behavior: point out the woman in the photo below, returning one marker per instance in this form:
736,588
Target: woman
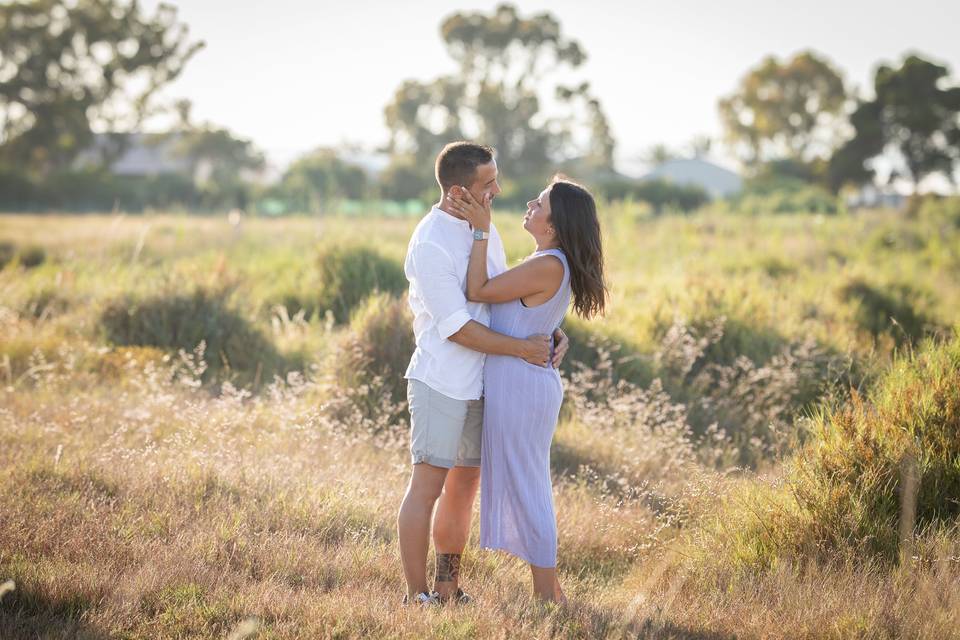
522,400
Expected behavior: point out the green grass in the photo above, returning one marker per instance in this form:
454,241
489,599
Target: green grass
715,474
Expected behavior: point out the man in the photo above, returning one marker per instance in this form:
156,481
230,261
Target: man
445,376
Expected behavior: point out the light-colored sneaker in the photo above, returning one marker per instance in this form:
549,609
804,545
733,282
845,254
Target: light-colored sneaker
460,597
423,599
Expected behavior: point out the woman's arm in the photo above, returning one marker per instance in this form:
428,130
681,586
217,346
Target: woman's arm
524,280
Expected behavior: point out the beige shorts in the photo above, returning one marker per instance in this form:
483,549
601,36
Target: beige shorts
444,432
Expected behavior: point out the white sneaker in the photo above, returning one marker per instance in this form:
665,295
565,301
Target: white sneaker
423,599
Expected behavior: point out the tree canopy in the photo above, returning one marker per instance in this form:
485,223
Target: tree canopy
505,93
785,110
914,117
65,66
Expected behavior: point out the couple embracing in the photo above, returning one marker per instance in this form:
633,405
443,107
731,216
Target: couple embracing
483,387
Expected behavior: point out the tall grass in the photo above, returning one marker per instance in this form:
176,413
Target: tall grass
736,456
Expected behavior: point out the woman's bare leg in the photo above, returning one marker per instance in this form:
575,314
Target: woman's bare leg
558,593
545,584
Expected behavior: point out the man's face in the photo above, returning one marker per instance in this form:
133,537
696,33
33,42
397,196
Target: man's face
485,181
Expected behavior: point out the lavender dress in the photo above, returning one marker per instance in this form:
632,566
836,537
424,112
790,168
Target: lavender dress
521,405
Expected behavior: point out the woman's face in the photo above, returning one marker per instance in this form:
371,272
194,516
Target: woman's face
537,220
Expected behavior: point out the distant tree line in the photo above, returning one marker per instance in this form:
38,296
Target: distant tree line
69,68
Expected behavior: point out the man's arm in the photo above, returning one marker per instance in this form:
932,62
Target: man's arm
440,291
475,336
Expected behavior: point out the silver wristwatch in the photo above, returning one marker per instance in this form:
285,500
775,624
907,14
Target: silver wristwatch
480,235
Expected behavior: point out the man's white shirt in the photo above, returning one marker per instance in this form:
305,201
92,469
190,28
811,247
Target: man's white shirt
436,267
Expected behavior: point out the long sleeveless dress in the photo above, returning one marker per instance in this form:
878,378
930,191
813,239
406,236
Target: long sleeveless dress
521,407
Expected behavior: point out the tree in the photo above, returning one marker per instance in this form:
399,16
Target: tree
659,154
785,111
914,116
507,64
315,179
68,65
404,179
700,146
218,161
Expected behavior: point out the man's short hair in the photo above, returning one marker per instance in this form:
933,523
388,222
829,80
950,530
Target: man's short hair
458,162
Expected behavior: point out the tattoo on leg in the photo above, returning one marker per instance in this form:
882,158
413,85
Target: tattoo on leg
448,567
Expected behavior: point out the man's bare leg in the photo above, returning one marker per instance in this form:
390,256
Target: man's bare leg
451,526
413,524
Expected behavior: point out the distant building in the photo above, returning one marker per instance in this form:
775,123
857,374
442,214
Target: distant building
874,197
712,178
144,154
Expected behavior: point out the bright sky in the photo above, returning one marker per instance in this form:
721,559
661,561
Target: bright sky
295,74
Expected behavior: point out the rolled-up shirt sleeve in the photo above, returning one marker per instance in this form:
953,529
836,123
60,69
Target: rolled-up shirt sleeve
439,288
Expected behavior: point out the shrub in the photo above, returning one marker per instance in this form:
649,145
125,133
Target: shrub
32,256
176,320
368,365
850,476
783,194
660,194
891,311
379,343
381,327
590,348
847,492
17,192
44,303
641,431
29,257
940,210
116,363
754,403
349,274
7,252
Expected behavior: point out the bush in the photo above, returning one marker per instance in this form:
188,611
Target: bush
32,256
848,490
93,189
850,477
753,401
8,251
940,210
28,257
44,303
347,275
379,343
891,312
741,387
783,195
368,365
660,194
119,362
175,320
590,348
17,192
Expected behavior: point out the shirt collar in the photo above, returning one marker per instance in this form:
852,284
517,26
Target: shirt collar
449,218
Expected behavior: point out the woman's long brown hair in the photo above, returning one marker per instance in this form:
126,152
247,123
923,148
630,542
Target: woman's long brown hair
573,213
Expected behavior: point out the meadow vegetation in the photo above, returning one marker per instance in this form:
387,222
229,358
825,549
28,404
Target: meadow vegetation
203,431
